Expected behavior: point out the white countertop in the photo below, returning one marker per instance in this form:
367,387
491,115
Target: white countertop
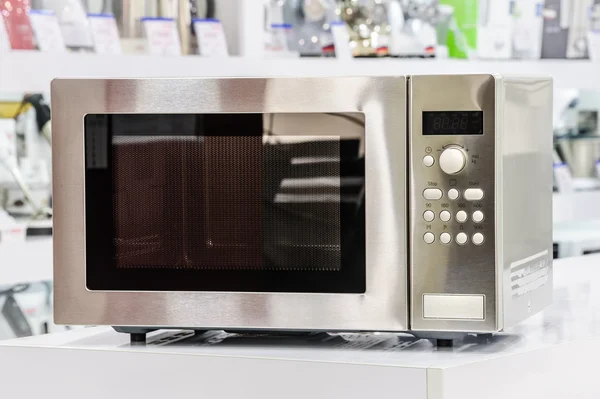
552,355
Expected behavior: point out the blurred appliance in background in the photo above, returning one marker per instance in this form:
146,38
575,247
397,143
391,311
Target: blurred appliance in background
462,17
16,22
413,27
180,11
129,14
580,153
25,160
577,44
310,20
595,17
566,25
580,148
494,31
26,310
369,27
72,18
587,122
527,29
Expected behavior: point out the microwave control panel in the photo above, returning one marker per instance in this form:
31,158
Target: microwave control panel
452,140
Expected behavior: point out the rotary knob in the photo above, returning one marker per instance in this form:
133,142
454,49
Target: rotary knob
453,160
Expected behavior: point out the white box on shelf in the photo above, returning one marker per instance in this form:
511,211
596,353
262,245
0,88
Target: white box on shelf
494,30
527,29
341,40
211,38
47,31
105,33
162,36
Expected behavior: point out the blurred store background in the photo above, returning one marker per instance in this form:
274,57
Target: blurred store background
44,39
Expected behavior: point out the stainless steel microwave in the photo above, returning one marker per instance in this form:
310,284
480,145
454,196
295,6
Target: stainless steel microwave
406,203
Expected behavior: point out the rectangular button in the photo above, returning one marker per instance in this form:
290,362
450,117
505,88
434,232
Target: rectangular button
473,194
466,307
432,193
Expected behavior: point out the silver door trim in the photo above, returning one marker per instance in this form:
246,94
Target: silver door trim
382,307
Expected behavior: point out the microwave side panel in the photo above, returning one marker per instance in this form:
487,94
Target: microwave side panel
452,188
525,197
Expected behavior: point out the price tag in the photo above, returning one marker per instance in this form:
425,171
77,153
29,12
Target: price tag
47,31
4,43
211,38
341,40
162,36
563,178
105,33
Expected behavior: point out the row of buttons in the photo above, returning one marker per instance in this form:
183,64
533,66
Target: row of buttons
470,194
461,216
461,238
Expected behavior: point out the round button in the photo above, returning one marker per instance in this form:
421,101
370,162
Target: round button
428,238
452,160
453,193
461,216
428,216
445,216
445,238
428,160
477,216
478,238
461,238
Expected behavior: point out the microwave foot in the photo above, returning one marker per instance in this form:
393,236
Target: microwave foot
444,343
137,335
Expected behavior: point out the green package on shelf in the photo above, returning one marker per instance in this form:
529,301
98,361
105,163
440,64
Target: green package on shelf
462,30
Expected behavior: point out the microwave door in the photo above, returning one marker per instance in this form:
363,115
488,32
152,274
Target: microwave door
227,202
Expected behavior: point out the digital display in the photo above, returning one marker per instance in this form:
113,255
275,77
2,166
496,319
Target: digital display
452,122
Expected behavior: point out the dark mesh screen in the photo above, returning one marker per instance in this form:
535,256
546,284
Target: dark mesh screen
226,202
240,202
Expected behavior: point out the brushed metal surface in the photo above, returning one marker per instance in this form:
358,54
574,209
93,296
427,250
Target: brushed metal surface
452,269
384,304
525,202
453,306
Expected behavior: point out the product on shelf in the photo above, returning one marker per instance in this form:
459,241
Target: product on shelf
594,35
527,29
47,31
311,21
128,15
566,26
413,27
368,26
105,33
462,27
73,22
17,24
494,30
210,37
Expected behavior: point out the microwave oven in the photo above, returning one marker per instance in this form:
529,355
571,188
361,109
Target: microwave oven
418,204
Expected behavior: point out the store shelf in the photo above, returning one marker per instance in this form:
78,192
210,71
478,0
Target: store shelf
28,71
552,355
29,261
